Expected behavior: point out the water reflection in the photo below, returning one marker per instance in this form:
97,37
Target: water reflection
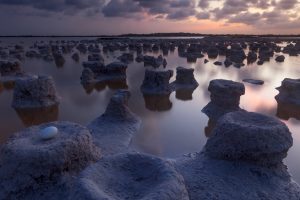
158,102
185,94
35,116
287,111
113,85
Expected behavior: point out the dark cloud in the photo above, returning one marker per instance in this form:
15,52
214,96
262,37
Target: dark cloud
121,8
55,5
203,15
256,13
287,4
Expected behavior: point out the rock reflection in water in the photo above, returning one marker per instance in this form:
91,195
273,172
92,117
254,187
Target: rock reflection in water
114,85
287,111
158,102
185,94
36,116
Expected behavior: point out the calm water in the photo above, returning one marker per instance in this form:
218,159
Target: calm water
179,127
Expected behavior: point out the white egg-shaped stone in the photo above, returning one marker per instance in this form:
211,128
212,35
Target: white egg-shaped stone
48,133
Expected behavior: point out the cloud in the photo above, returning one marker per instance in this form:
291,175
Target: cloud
55,5
287,4
255,13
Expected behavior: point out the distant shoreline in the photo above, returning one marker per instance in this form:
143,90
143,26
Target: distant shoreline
153,35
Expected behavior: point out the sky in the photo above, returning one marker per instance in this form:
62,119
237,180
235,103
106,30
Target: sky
113,17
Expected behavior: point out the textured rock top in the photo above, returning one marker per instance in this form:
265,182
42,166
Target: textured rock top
36,91
131,176
250,137
220,86
28,161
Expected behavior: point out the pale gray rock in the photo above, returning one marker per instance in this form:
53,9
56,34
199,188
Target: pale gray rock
31,167
130,176
249,137
244,149
113,130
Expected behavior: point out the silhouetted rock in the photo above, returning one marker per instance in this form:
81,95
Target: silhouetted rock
280,58
252,57
289,92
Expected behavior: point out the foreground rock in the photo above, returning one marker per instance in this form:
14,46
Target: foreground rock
33,168
225,97
157,82
35,92
139,177
249,137
113,130
245,149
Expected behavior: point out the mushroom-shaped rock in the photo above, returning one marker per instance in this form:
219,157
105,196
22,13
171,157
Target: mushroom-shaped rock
29,162
113,130
157,82
185,78
250,137
225,97
35,92
289,92
130,176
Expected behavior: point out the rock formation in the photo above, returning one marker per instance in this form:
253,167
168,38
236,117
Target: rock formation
225,97
157,82
35,92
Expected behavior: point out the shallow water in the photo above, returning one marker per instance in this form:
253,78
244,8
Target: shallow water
171,126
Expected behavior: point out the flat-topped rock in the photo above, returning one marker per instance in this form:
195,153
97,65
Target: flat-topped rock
28,162
115,71
249,137
289,92
185,78
131,176
35,92
225,97
157,82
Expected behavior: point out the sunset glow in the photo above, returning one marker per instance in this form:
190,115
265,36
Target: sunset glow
142,16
